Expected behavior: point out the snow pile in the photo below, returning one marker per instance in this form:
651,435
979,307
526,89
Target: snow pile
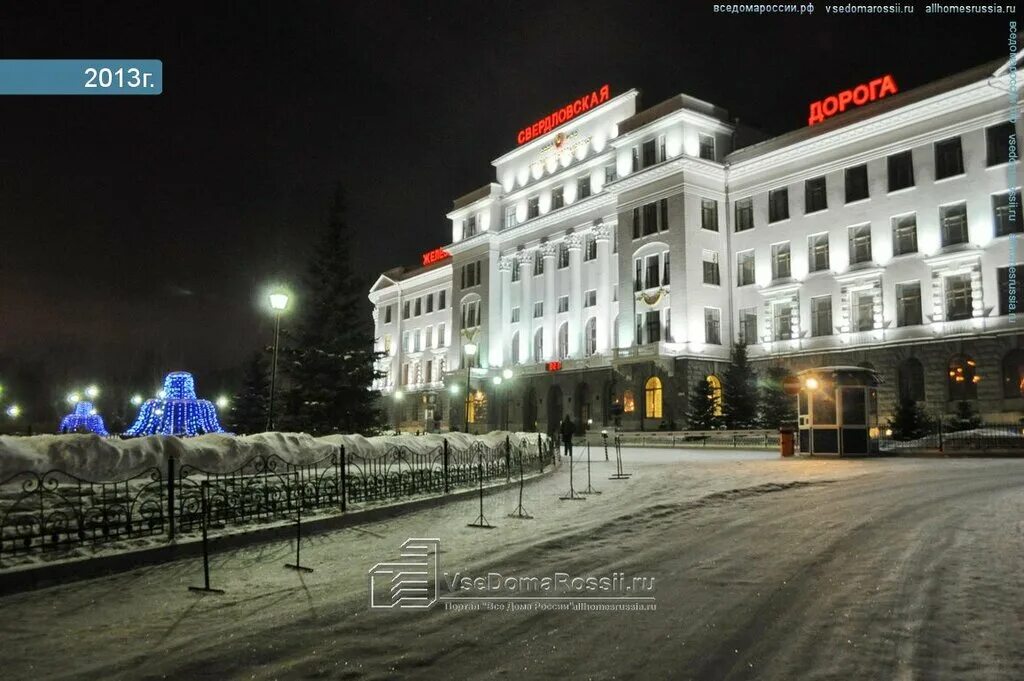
96,458
975,438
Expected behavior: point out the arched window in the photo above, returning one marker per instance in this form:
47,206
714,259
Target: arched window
963,378
563,341
910,379
538,346
590,337
652,398
628,402
1013,374
716,393
515,348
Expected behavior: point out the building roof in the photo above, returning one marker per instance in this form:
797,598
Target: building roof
671,105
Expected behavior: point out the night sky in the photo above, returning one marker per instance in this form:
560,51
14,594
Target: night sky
136,233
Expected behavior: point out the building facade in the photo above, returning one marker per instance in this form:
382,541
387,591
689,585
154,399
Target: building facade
619,254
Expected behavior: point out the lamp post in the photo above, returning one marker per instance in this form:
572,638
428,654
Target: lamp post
506,374
469,350
499,403
278,302
398,413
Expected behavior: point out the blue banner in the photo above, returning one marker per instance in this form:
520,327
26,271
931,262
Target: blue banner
81,77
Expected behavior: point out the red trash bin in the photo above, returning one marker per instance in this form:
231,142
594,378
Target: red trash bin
787,441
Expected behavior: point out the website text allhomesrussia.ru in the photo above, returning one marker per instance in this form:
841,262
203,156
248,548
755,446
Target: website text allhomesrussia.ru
495,584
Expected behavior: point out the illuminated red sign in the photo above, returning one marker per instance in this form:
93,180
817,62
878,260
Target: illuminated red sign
436,255
554,366
862,94
567,112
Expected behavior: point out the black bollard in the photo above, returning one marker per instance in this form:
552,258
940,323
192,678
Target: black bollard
298,531
520,512
572,495
205,588
590,488
618,475
481,521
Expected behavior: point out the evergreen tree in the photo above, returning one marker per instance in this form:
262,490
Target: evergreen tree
331,358
701,415
777,407
965,418
909,421
739,391
249,406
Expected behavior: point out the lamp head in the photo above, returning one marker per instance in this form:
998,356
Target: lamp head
279,300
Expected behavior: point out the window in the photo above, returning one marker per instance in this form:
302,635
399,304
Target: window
471,314
667,314
405,374
1003,284
716,394
663,215
563,255
557,197
510,220
652,398
538,264
532,207
405,310
864,311
665,269
516,359
661,148
652,322
821,316
649,153
651,279
515,315
707,147
406,342
856,183
910,380
590,298
962,378
959,298
418,307
748,326
778,204
953,222
387,314
470,275
860,244
538,346
387,343
783,321
1013,374
636,159
610,173
428,341
815,195
712,326
711,275
590,337
745,268
908,303
949,158
1006,221
904,234
638,278
781,261
538,309
469,227
563,303
583,187
817,256
441,300
590,248
709,214
744,214
417,339
997,142
430,303
515,271
442,340
901,170
650,218
429,375
563,341
636,223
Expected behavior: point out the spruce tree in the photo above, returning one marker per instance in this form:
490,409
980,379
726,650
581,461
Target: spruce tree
739,391
249,406
909,421
965,418
701,415
331,358
777,407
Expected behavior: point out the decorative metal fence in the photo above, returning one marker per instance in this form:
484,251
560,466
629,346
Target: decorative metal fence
938,436
57,511
719,439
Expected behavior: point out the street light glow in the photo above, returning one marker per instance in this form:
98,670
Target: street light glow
454,390
399,395
496,380
14,411
811,383
92,392
136,399
279,300
222,402
507,374
470,349
73,398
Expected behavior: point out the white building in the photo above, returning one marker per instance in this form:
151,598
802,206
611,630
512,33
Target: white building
619,253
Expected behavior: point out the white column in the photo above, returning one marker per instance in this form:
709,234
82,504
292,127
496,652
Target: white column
526,306
575,245
548,252
505,266
605,332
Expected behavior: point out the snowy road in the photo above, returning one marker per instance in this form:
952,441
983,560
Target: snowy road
764,569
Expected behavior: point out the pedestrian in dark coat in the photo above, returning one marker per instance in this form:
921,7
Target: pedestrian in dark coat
568,430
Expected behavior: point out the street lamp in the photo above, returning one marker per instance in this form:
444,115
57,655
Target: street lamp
136,400
73,398
279,303
14,411
222,402
92,392
469,349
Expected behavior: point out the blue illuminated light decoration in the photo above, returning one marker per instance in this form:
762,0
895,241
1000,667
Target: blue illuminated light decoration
83,419
176,411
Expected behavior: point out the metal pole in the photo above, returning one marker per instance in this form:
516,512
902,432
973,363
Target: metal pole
590,488
273,371
520,512
298,530
481,521
206,550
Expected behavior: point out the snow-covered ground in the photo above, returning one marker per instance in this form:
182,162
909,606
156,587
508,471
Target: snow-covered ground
765,569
